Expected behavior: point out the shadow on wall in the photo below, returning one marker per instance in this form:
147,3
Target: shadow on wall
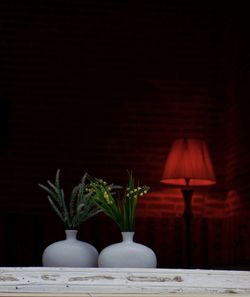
4,124
219,230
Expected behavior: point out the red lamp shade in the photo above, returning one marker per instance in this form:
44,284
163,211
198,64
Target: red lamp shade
188,164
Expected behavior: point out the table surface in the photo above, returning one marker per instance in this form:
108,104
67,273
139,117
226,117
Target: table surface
46,281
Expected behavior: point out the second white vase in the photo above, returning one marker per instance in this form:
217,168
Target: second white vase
127,254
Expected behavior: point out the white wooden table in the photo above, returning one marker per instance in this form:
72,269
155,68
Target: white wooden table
41,281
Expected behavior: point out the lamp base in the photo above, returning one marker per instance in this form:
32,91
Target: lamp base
187,215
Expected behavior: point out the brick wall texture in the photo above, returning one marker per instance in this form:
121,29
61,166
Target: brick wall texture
104,87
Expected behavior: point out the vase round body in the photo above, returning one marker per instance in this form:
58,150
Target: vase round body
70,252
127,254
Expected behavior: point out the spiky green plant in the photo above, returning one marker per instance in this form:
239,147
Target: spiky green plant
117,203
81,205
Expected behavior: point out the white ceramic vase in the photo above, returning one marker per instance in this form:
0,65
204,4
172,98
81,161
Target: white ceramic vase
70,252
127,254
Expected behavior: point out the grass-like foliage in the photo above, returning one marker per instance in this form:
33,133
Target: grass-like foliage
80,207
117,203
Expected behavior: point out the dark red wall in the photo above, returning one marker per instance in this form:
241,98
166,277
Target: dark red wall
106,87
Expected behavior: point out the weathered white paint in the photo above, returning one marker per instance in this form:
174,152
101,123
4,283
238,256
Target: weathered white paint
41,281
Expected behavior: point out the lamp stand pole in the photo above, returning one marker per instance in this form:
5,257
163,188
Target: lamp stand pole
187,215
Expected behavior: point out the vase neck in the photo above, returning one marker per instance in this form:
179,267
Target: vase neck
71,234
128,236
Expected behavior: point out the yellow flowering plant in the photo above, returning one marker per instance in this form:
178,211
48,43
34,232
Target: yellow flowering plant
117,203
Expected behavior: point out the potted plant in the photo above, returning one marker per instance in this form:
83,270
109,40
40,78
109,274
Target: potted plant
71,252
120,205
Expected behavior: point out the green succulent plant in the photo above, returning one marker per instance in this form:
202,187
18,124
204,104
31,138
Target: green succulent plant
81,204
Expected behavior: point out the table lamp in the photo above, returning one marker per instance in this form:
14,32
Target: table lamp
188,166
